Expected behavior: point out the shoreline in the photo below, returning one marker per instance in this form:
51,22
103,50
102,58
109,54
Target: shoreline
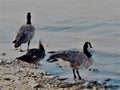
18,75
15,75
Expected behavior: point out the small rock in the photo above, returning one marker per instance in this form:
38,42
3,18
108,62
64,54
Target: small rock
52,60
47,45
8,79
65,85
38,86
3,54
113,87
2,62
86,84
62,79
107,80
94,70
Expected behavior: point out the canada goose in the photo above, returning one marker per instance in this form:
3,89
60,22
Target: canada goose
77,59
25,33
33,56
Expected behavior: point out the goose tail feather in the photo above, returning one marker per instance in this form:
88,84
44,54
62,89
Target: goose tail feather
20,41
23,58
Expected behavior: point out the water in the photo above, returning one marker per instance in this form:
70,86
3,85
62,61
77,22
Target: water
67,24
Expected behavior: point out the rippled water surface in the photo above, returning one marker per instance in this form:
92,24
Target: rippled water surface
67,24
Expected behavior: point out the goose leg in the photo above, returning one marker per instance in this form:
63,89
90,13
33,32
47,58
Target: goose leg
78,74
74,74
21,49
28,46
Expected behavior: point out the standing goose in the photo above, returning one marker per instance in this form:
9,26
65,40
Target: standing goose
77,59
33,56
25,34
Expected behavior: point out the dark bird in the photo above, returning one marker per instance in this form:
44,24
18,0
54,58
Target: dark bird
77,59
25,34
33,56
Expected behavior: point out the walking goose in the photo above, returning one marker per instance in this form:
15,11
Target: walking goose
33,56
77,59
25,34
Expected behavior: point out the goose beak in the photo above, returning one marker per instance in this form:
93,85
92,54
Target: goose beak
90,45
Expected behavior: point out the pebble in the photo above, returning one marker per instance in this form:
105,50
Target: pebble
86,84
94,70
3,54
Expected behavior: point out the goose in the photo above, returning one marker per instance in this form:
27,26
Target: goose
33,56
25,34
76,58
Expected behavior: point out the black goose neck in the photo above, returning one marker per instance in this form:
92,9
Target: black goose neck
85,50
29,18
41,47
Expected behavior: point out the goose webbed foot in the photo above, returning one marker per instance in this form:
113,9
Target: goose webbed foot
75,79
22,50
27,49
19,50
16,49
80,78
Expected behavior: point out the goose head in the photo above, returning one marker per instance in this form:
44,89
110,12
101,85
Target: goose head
41,47
86,46
28,18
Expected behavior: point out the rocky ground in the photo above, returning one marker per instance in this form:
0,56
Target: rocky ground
15,75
